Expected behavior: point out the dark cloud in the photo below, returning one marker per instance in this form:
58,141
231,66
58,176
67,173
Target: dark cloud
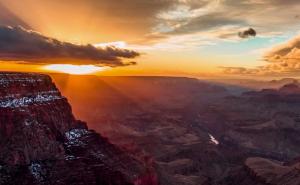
19,44
247,33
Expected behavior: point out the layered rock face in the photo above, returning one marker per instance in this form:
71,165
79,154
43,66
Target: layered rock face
42,143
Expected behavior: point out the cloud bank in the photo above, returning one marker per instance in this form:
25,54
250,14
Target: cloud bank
26,46
285,57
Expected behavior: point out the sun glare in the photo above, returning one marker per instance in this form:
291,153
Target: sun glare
74,69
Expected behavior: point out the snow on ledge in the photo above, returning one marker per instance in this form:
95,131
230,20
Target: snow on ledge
11,102
73,137
76,133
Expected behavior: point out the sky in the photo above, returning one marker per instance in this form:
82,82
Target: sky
204,38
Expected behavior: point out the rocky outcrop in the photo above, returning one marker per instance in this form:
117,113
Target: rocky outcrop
262,171
42,143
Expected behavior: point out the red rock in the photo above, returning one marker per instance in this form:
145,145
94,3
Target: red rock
42,143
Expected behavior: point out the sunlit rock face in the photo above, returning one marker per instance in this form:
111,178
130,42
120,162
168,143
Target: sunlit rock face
42,143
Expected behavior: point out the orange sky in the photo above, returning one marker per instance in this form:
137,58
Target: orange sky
174,37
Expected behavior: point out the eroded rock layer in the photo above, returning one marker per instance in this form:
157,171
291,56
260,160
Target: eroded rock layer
42,143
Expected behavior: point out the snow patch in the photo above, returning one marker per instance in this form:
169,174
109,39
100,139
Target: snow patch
25,101
36,171
76,133
28,78
24,81
73,136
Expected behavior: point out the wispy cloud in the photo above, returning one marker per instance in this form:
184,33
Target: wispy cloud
152,22
221,20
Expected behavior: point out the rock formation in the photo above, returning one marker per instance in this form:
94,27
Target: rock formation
42,143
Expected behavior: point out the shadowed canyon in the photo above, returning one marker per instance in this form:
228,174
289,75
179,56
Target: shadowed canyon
196,132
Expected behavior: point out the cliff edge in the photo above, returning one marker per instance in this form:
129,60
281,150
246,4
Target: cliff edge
42,143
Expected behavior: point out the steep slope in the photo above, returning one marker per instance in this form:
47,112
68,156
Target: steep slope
42,143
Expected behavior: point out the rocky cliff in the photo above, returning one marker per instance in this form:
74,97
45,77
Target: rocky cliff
262,171
42,143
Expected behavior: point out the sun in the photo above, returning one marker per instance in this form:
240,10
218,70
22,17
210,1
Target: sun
74,69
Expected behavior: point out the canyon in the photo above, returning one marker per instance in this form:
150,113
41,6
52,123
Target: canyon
146,131
197,132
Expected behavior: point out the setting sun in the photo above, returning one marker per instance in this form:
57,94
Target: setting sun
74,69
